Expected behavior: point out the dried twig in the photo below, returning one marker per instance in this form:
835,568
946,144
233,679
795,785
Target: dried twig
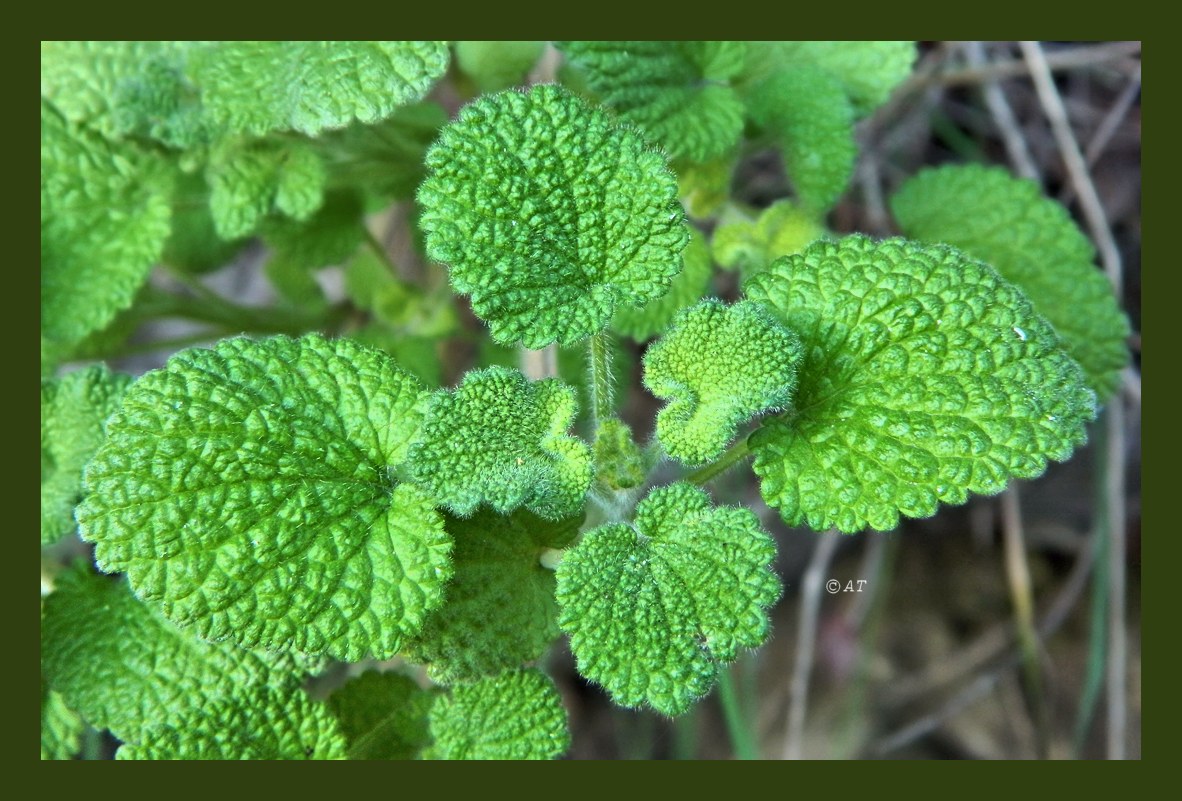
1003,116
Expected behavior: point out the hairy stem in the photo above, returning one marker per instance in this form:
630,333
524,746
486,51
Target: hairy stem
602,389
208,307
735,454
737,724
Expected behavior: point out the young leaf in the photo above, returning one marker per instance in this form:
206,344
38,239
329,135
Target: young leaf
193,244
248,490
550,215
619,462
868,71
1033,242
249,180
806,109
383,716
717,366
676,92
689,285
259,87
515,715
653,607
500,610
925,377
261,723
74,411
61,728
494,66
125,668
704,187
782,229
104,219
500,439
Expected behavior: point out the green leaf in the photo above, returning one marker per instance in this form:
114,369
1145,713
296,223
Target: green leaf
676,92
248,491
74,411
806,110
104,220
653,607
1033,242
125,668
385,159
383,716
620,465
781,229
500,610
494,66
259,87
263,723
718,366
689,285
193,244
502,440
868,71
326,239
515,715
550,215
705,186
250,179
61,727
926,376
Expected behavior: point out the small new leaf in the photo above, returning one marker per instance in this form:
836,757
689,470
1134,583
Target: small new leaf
74,411
806,110
514,715
717,366
653,607
248,491
676,92
1033,242
782,229
383,716
125,668
925,376
689,285
249,180
262,723
500,610
104,220
259,87
550,215
502,440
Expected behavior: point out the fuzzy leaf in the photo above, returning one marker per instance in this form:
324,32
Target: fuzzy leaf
689,285
494,66
805,108
676,92
718,366
249,180
104,220
61,728
550,215
868,71
1033,242
263,723
620,465
704,187
500,610
782,229
126,668
515,715
193,244
259,87
248,490
383,716
74,411
925,377
653,607
501,439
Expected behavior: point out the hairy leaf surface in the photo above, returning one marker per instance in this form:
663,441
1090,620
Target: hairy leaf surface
781,229
248,491
1033,242
502,440
689,285
653,607
718,366
550,215
383,715
925,377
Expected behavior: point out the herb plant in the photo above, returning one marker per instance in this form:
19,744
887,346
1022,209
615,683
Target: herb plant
311,486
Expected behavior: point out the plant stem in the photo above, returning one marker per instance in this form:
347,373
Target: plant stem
601,386
208,307
1018,575
737,724
735,454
